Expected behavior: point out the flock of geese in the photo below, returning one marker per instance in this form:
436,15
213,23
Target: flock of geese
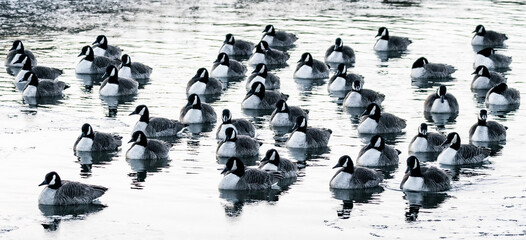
237,136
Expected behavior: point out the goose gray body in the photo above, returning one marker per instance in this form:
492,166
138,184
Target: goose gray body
274,162
144,148
92,64
423,69
376,122
285,115
99,141
424,179
226,67
441,102
308,137
390,43
487,38
338,53
237,177
102,48
343,81
41,72
237,146
259,98
271,57
202,84
196,112
62,192
156,126
114,85
351,177
236,47
261,74
486,79
278,38
133,70
310,68
487,131
503,95
16,50
487,57
461,154
36,88
242,126
377,154
426,141
359,97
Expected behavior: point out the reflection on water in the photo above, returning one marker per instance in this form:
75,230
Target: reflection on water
350,196
34,102
236,200
441,119
56,214
248,161
88,159
417,200
304,154
144,166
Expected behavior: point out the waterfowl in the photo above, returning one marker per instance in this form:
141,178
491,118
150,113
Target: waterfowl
133,70
242,126
265,54
486,79
351,177
259,98
225,67
424,69
278,38
441,102
155,126
377,154
202,84
273,162
424,179
114,85
261,74
101,48
36,88
40,71
93,141
359,97
237,146
343,81
503,95
487,57
374,121
390,43
92,64
14,53
308,137
487,38
310,68
62,192
236,47
460,154
285,115
338,53
197,112
426,141
238,177
487,131
144,148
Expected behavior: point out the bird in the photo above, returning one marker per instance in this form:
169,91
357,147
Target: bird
242,126
359,97
424,179
423,69
285,115
261,74
62,192
339,53
264,54
308,137
343,81
273,162
278,38
351,177
236,47
197,112
144,148
377,154
114,85
40,71
373,121
237,146
202,84
487,38
225,67
487,57
92,64
487,131
503,95
238,177
101,48
310,68
258,98
155,126
460,154
93,141
486,79
390,43
441,102
426,141
36,88
133,70
14,53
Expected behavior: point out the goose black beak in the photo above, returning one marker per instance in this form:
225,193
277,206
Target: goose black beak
43,183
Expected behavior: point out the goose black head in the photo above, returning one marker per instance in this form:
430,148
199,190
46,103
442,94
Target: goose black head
441,93
306,58
272,156
261,70
413,167
482,71
338,45
194,101
499,89
486,52
229,39
341,70
480,30
235,166
422,130
482,118
262,47
202,75
377,142
222,59
112,73
281,106
101,42
230,134
301,124
269,30
383,33
420,62
52,180
226,116
356,86
346,163
453,139
126,60
373,111
139,138
87,51
257,89
87,131
18,46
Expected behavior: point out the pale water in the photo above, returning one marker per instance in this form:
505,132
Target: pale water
180,198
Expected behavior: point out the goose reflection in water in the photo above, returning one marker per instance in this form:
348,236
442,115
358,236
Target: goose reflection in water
426,200
144,166
351,196
56,214
88,159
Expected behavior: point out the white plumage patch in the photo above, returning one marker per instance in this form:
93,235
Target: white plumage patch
20,76
268,39
228,49
140,126
47,196
220,71
197,88
97,51
110,89
269,167
257,79
338,84
480,134
83,67
125,72
136,152
418,72
481,83
227,149
252,102
84,144
368,126
229,182
193,116
497,99
297,140
257,58
419,145
440,107
341,181
221,133
30,91
482,60
335,57
381,45
477,40
353,99
305,71
281,120
414,184
370,158
447,156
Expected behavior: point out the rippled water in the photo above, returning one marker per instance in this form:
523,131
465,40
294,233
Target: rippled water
158,200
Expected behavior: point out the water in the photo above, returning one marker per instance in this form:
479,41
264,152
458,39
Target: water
179,197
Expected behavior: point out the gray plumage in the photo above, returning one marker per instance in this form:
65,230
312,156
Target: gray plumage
435,179
156,126
485,79
213,86
68,192
359,97
272,57
385,122
153,148
318,69
487,57
278,38
235,68
125,86
292,113
194,102
18,48
41,72
490,131
388,155
394,43
92,64
101,141
442,95
503,95
44,88
460,154
261,73
110,51
347,53
489,38
422,68
242,126
236,47
432,141
341,74
274,162
357,177
133,70
248,178
244,146
267,99
314,137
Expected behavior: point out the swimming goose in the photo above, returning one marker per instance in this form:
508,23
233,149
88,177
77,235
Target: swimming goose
237,146
265,54
242,126
259,98
390,43
202,84
310,68
285,116
487,131
62,192
101,48
114,85
343,81
457,154
237,177
503,95
133,70
377,154
423,69
339,53
236,47
273,162
487,57
92,64
424,179
359,97
486,79
40,71
93,141
144,148
441,102
278,38
36,88
374,121
156,126
197,112
14,53
487,38
225,67
308,137
350,177
261,74
426,141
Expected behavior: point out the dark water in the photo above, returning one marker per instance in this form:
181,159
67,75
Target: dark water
162,199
